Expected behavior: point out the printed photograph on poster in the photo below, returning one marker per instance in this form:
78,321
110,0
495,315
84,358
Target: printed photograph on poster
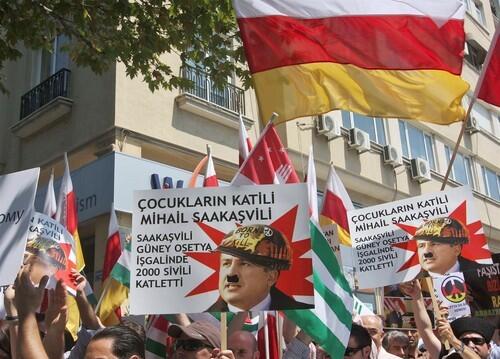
221,249
484,288
451,290
17,191
50,250
432,234
399,312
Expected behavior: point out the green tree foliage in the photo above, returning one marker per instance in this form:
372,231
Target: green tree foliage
135,33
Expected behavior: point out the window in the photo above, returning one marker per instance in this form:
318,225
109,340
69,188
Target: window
474,54
55,60
461,170
481,115
373,126
416,143
491,183
475,8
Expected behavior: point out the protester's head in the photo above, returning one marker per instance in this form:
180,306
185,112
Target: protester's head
413,337
359,345
243,345
195,341
396,343
374,325
136,327
251,258
439,243
474,332
116,342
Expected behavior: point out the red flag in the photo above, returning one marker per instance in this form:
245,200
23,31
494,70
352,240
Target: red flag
113,246
267,336
267,163
489,90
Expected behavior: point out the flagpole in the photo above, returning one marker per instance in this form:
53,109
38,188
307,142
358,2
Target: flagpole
223,331
469,109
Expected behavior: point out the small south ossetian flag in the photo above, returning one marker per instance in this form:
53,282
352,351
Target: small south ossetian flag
336,203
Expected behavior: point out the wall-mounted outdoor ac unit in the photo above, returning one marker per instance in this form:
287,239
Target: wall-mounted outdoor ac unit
472,125
420,170
328,127
359,140
392,156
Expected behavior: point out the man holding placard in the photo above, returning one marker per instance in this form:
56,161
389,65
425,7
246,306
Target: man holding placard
439,243
251,259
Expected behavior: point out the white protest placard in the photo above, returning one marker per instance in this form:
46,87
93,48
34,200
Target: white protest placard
52,246
17,193
178,240
433,233
451,290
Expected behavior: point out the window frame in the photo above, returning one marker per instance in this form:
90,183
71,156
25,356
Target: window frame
375,127
487,190
406,141
468,165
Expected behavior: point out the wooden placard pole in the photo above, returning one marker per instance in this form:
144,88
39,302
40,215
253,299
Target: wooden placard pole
435,304
223,331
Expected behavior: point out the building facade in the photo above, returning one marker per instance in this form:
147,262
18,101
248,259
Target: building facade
117,134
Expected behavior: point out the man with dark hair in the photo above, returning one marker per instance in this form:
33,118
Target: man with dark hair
360,343
252,257
117,342
396,343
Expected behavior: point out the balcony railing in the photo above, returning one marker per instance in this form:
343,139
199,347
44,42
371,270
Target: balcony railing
55,86
230,96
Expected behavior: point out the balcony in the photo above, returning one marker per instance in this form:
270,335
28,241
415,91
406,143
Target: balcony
45,104
203,98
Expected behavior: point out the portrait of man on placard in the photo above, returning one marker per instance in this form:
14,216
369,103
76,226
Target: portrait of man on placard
46,257
251,259
439,244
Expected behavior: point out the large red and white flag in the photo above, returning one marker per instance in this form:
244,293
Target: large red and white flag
383,58
67,212
113,245
210,179
267,163
50,205
244,144
487,87
336,203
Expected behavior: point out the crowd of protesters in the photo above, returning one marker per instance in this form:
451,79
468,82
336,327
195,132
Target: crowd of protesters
26,334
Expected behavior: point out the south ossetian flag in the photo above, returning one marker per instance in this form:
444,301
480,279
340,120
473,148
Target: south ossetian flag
384,58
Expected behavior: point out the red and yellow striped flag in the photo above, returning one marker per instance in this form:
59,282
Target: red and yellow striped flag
336,203
384,58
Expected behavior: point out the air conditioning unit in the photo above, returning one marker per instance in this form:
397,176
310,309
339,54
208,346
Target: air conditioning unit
472,125
392,156
420,170
328,127
359,140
